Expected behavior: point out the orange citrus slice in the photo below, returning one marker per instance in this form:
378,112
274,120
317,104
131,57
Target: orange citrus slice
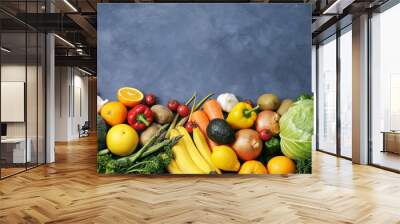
129,96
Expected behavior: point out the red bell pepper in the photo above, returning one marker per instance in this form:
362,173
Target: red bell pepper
140,117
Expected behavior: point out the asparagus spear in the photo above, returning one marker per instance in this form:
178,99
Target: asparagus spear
132,158
182,121
167,142
193,108
202,101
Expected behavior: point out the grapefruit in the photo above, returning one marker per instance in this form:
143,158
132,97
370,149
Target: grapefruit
122,140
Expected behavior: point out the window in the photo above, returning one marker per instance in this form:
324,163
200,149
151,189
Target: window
326,101
346,93
385,89
334,106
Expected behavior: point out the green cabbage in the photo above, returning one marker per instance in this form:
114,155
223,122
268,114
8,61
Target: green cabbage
297,126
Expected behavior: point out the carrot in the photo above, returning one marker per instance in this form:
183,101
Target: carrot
213,109
201,120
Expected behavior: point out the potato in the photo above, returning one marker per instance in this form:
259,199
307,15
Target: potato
162,114
268,101
285,105
148,133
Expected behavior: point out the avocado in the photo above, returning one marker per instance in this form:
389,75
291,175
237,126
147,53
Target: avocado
220,132
101,133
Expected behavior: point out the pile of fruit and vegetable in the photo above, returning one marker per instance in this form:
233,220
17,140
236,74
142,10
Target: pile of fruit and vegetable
210,135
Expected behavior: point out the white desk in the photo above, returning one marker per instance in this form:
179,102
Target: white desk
19,149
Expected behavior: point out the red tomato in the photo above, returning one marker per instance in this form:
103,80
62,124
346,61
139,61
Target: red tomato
189,126
183,110
173,105
150,99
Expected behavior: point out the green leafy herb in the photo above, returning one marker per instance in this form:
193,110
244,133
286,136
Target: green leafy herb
103,157
304,166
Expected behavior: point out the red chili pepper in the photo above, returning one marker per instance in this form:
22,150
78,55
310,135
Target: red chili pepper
140,117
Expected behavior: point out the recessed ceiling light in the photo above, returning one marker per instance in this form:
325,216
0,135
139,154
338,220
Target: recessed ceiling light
337,7
84,71
5,50
64,40
70,5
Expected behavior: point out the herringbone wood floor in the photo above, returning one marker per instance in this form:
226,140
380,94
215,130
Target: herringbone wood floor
70,191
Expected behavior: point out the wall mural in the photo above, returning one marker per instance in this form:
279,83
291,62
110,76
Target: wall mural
200,88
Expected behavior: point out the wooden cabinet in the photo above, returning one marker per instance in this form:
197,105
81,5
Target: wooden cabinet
391,142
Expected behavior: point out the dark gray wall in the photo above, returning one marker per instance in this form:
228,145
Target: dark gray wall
173,50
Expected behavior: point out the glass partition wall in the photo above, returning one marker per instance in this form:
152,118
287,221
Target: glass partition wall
334,84
22,87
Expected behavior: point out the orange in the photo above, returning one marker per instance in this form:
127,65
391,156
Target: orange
129,96
253,167
114,113
281,165
122,140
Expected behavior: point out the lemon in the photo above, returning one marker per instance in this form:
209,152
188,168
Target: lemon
225,158
122,140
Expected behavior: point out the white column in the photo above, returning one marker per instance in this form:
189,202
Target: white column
360,90
50,93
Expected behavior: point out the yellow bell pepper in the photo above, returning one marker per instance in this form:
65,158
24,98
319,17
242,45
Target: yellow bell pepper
253,167
242,116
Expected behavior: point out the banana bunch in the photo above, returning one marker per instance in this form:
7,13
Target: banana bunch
191,157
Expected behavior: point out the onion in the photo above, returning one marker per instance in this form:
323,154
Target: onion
268,120
247,145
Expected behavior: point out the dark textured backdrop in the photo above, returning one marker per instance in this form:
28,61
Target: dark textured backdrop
176,49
